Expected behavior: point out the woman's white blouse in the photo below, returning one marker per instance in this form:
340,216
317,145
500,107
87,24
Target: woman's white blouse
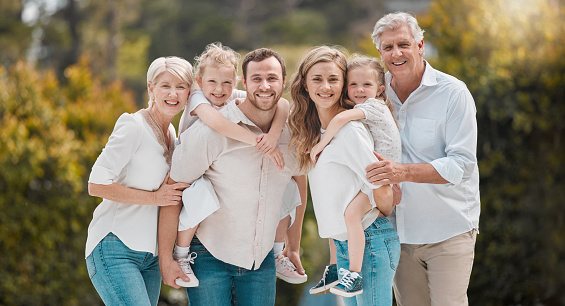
338,176
133,158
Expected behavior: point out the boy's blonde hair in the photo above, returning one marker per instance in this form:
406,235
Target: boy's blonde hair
361,61
215,54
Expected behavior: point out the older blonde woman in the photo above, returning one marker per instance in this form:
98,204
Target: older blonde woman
121,248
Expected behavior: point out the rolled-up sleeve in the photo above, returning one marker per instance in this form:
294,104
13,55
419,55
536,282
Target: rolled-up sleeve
461,141
122,144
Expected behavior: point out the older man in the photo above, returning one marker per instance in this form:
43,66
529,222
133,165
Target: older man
235,263
438,217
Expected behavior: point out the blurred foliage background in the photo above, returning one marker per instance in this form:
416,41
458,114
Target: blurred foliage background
69,68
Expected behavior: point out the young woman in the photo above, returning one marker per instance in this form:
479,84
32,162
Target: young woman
338,184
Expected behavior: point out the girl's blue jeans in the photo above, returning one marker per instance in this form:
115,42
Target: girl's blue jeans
123,276
380,259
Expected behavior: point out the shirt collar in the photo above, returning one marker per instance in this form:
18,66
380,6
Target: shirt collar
235,114
429,78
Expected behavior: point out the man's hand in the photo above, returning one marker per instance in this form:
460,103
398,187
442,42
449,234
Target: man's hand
294,257
385,171
170,271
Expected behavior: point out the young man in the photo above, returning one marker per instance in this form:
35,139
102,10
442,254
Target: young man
235,262
438,217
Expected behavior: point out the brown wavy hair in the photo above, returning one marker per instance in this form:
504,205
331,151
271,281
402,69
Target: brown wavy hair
303,120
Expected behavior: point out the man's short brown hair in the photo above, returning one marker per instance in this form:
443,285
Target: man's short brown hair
261,54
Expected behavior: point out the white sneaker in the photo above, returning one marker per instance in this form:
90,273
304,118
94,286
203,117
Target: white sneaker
287,271
184,264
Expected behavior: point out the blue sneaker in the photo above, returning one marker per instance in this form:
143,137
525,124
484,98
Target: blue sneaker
351,284
329,280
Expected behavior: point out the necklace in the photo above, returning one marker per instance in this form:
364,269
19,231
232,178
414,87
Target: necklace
163,139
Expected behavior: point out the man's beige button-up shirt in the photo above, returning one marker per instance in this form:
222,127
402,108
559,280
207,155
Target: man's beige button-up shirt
248,184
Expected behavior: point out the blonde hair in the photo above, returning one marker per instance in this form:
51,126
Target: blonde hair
303,120
360,61
215,54
177,66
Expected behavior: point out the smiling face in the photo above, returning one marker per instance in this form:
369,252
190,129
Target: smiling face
362,84
264,83
401,53
169,94
217,83
324,83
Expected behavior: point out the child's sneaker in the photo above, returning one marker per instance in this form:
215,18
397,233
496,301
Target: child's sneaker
329,279
350,284
184,264
287,271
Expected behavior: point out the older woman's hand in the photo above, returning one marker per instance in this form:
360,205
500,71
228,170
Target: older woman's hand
169,193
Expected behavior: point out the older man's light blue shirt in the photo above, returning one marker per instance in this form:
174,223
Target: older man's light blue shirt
438,126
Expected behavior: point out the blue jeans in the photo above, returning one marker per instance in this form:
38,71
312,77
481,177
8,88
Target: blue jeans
380,259
223,284
123,276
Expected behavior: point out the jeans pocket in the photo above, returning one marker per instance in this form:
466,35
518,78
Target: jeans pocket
90,266
393,248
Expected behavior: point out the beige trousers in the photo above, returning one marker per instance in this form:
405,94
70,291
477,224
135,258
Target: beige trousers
435,274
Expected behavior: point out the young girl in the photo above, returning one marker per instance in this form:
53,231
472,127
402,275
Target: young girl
216,74
365,87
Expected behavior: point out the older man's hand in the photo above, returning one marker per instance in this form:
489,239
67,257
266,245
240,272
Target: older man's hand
385,171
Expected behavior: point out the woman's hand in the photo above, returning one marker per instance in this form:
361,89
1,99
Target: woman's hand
169,194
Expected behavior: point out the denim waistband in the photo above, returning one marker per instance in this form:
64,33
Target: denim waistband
381,220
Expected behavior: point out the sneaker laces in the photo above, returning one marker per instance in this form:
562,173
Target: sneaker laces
186,262
288,264
326,272
348,277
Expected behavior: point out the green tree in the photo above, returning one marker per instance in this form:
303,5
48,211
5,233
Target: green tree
49,138
510,55
15,38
